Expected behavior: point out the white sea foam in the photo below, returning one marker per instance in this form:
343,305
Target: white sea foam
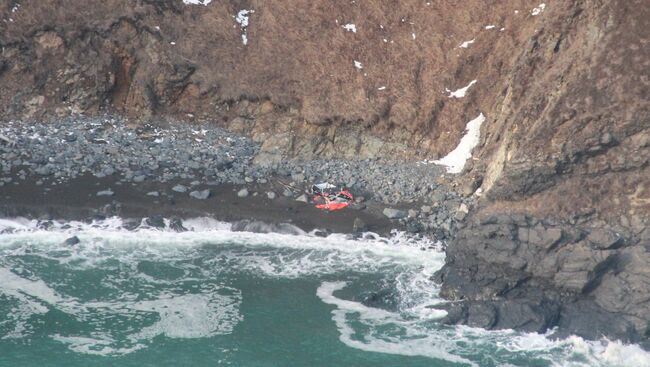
408,333
149,306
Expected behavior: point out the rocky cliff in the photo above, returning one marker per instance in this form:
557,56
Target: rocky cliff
560,236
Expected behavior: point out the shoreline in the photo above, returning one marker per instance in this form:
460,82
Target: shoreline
98,167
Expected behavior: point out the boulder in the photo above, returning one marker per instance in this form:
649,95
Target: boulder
392,213
200,194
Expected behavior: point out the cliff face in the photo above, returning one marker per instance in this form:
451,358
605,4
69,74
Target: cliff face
563,159
335,73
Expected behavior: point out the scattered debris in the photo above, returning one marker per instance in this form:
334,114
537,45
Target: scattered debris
329,197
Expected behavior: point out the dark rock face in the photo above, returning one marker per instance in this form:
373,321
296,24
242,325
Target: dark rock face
514,271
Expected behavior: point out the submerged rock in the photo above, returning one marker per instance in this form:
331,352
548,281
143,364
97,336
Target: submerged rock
71,241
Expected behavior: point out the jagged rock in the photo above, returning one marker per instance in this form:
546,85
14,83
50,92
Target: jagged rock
156,221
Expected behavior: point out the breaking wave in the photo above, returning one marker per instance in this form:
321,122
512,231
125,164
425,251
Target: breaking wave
156,282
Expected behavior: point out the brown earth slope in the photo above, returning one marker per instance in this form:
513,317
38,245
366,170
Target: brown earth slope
564,152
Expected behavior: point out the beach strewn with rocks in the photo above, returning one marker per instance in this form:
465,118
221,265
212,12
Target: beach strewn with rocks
180,169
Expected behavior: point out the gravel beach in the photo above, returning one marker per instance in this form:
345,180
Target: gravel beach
87,168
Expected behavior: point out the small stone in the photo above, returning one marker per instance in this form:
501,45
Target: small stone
262,180
153,193
200,194
412,213
138,178
248,179
287,193
426,209
391,213
271,195
71,241
303,198
107,192
298,177
179,188
461,213
242,193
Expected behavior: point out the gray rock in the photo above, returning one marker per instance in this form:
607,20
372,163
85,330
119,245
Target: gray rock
287,193
139,178
426,209
180,188
298,177
303,198
242,193
391,213
271,195
107,192
43,171
156,221
153,193
71,241
412,213
359,226
200,194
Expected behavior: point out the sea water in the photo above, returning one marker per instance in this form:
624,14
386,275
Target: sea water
214,297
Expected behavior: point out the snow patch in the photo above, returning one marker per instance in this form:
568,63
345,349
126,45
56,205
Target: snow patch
358,65
538,10
350,27
460,93
197,2
490,26
466,43
455,160
242,20
381,88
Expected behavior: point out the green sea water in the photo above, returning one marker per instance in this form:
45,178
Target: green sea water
213,297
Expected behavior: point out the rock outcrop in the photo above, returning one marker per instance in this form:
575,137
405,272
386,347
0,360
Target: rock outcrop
561,235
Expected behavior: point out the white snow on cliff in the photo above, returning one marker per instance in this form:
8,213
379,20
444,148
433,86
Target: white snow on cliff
538,10
460,93
455,160
466,43
350,27
197,2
